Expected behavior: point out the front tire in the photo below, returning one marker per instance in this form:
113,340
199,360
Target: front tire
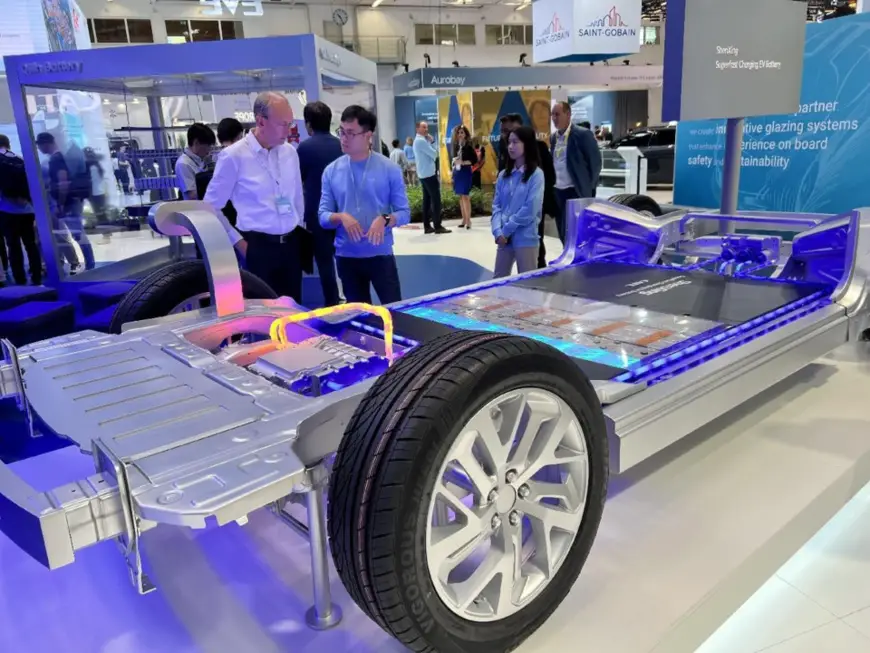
175,288
518,429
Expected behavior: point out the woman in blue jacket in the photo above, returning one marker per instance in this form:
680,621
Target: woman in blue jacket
517,205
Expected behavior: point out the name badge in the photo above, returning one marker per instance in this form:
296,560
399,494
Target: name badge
284,204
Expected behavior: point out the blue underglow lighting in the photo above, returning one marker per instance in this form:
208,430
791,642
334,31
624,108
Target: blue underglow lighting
572,349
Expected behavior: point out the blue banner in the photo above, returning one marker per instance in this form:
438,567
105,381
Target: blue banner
816,160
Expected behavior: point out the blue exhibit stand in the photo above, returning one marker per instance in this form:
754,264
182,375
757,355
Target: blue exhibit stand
812,161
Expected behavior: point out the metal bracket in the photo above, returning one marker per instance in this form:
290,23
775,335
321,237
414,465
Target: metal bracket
13,376
210,231
129,542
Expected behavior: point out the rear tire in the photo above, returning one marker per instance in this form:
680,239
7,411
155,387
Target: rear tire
640,203
393,453
162,291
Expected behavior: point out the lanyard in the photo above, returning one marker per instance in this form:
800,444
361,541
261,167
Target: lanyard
361,183
561,142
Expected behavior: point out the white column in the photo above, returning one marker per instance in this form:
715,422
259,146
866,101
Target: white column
654,105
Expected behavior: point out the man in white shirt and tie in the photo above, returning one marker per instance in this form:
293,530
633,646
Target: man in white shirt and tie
260,175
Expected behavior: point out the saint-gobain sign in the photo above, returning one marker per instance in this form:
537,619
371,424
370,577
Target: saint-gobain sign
49,67
218,7
567,30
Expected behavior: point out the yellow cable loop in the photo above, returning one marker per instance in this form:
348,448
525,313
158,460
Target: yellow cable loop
278,331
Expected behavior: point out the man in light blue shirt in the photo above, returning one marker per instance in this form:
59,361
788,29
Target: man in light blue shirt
426,156
363,198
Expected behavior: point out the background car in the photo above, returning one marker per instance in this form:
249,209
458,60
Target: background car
657,145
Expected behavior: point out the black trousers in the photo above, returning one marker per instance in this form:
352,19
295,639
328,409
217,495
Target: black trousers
431,202
277,260
324,257
20,229
358,275
562,197
542,249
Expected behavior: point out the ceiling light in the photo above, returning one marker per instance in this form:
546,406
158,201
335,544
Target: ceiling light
525,4
376,3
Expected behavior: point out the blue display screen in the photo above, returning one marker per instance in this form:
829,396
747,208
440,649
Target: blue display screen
583,352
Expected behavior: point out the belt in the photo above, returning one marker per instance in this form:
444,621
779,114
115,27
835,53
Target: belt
279,239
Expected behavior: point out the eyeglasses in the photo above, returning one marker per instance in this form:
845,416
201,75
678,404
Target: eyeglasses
342,133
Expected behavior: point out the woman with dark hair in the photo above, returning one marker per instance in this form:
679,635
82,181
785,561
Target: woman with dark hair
517,205
480,152
463,160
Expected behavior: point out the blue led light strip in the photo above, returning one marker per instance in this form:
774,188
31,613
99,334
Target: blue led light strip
570,348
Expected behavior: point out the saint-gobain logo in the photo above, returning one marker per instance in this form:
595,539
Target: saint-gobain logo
553,33
414,83
44,67
610,24
448,80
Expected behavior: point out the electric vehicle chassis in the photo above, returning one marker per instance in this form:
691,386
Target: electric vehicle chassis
467,436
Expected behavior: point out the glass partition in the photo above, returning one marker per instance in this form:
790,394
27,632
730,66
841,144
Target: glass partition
106,158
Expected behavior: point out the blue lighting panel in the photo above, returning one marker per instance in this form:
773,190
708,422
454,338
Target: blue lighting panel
570,348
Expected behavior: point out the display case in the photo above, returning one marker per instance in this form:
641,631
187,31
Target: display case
100,131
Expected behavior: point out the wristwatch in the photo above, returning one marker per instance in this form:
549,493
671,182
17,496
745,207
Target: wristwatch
387,218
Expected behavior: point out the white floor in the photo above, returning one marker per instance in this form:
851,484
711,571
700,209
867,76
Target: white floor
818,602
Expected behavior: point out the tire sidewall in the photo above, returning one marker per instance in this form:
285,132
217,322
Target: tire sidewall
160,292
443,629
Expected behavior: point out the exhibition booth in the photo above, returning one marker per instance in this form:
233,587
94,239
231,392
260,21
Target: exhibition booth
616,97
90,88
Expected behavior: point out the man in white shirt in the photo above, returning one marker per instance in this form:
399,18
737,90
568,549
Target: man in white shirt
260,174
200,141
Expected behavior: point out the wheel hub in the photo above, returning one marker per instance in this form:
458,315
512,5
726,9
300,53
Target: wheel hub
507,505
506,499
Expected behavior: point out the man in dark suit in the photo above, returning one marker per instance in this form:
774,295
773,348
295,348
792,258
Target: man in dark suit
315,153
510,122
577,161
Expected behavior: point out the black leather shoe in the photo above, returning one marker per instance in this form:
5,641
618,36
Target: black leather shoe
443,230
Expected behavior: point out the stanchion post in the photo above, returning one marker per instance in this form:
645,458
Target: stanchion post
731,171
324,614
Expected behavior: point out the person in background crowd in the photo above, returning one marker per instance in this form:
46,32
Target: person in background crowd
426,158
397,156
411,172
585,124
229,131
517,205
577,160
17,220
509,123
122,172
364,199
97,197
261,175
200,141
480,153
463,159
69,185
316,153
